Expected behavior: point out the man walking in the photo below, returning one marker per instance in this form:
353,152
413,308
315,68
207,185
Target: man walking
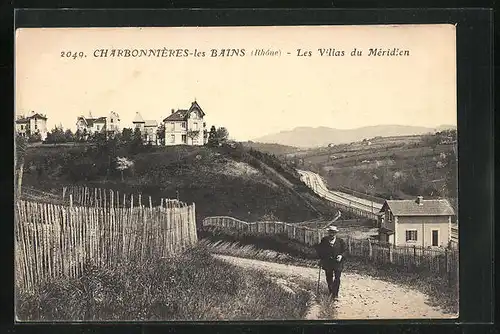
331,252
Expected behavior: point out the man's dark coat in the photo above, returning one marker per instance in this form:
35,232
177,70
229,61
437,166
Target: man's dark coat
327,253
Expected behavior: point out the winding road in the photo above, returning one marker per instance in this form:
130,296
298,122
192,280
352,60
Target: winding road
316,183
361,297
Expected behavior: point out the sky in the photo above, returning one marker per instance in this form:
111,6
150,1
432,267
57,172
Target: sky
251,96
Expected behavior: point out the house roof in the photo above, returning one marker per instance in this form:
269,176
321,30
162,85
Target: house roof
91,121
431,207
179,115
138,118
150,123
183,114
33,116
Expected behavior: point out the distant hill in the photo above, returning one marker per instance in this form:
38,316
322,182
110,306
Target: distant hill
322,136
270,148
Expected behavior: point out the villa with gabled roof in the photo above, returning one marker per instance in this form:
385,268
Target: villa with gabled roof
186,126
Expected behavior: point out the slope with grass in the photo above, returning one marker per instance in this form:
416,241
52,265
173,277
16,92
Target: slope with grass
246,184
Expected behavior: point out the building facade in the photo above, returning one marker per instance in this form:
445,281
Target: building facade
424,223
148,128
109,124
35,123
186,126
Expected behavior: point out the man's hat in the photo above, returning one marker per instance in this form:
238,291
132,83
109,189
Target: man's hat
332,229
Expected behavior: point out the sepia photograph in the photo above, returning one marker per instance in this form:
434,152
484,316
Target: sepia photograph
236,173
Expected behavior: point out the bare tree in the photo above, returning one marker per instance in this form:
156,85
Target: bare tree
193,134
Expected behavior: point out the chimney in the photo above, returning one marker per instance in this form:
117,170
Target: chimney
419,200
173,111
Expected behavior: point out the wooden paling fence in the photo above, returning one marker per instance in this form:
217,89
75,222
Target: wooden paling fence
107,197
442,262
58,240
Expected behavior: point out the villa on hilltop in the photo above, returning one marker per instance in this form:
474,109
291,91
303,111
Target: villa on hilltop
186,126
35,123
105,124
148,129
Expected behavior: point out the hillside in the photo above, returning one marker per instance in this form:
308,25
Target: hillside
270,148
394,167
323,136
246,184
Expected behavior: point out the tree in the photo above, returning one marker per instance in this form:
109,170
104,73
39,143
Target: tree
212,137
127,135
136,145
193,134
122,164
222,135
21,145
160,133
35,138
68,136
56,135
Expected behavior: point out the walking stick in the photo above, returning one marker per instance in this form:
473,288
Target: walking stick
319,277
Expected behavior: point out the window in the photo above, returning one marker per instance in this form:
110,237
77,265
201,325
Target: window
97,127
172,138
184,139
22,127
195,126
111,120
183,125
411,235
36,127
435,237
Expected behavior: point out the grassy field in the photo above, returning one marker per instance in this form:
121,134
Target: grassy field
238,182
193,286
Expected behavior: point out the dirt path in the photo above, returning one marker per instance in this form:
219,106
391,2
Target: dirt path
361,297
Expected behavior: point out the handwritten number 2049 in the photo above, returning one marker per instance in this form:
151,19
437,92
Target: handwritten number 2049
70,54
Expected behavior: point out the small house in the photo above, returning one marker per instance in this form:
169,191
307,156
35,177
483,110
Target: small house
416,222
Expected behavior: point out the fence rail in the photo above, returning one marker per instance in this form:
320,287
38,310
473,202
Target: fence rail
440,261
57,240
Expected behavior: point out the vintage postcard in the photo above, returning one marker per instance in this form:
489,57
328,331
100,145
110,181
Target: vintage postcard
236,173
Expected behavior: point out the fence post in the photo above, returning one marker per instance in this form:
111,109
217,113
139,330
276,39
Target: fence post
446,257
370,249
391,260
415,256
349,244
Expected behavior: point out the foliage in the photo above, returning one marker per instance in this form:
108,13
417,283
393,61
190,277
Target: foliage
56,135
35,137
222,135
122,164
68,135
127,135
160,133
212,137
191,286
136,145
